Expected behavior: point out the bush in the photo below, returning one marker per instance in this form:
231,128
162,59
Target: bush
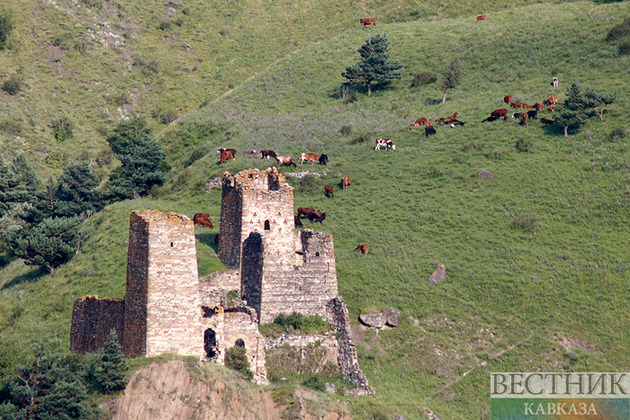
307,185
12,85
620,31
12,128
617,133
423,79
346,94
362,138
306,323
525,145
525,222
81,46
315,382
195,155
435,173
346,130
55,160
63,40
6,26
93,4
165,116
236,358
624,48
62,128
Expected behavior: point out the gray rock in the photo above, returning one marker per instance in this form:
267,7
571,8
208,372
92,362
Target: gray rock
438,275
391,316
373,320
485,174
396,417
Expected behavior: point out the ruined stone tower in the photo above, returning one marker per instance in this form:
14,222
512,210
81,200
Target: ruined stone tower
162,306
282,270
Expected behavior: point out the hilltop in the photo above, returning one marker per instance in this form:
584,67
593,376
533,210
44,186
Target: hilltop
536,257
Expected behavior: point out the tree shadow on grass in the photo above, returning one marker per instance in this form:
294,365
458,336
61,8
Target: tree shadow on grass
209,240
430,101
29,277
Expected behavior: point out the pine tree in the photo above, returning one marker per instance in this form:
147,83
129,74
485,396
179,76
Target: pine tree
77,192
451,77
576,109
50,244
375,66
140,170
127,135
110,372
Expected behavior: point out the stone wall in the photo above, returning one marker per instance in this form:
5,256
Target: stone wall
92,320
242,324
348,361
162,271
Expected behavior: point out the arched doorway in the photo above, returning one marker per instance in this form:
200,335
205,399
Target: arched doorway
239,343
210,343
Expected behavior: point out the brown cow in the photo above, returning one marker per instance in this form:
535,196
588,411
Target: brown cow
202,219
308,156
222,149
318,216
523,115
552,100
516,104
507,99
539,106
367,21
550,108
451,119
225,156
363,249
480,18
305,211
330,191
527,106
345,181
285,160
419,122
297,221
496,114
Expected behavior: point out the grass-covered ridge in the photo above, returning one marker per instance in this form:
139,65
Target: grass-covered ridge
537,257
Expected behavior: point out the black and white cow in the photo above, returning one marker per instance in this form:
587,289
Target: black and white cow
386,143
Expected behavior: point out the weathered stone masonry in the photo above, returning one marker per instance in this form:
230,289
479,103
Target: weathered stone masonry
274,268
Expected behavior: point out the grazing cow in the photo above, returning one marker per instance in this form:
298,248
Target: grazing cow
440,121
318,216
550,108
457,122
418,123
539,106
251,152
345,181
527,106
511,14
428,130
547,121
552,100
367,21
496,114
285,160
297,221
312,157
330,191
554,82
480,18
305,211
451,119
516,104
222,149
507,99
363,249
533,114
267,154
225,156
323,159
202,219
386,143
523,115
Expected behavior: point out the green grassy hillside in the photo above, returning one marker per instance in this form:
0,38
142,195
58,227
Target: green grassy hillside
537,256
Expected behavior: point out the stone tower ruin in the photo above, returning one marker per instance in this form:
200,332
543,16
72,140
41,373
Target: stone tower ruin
274,268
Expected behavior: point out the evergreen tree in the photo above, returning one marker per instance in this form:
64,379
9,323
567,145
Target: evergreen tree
451,77
17,183
110,372
140,170
127,135
49,389
375,66
76,192
576,109
236,358
50,244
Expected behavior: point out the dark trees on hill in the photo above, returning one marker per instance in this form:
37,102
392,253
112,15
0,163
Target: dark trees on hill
375,65
127,134
110,369
140,170
452,77
578,106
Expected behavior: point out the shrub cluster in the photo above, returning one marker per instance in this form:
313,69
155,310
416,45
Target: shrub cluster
525,222
12,85
298,322
525,145
6,26
236,358
423,79
62,128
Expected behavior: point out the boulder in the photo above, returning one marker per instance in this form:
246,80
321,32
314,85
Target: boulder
391,316
438,275
373,320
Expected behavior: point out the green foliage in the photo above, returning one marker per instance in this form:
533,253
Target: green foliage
310,324
77,193
127,135
451,77
17,182
110,369
577,107
51,387
6,26
346,130
525,144
315,382
62,128
525,222
63,40
619,32
55,159
165,116
236,358
375,65
423,79
93,4
618,133
11,127
12,85
308,184
140,170
49,244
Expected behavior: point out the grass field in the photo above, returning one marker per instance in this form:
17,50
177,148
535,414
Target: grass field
537,256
